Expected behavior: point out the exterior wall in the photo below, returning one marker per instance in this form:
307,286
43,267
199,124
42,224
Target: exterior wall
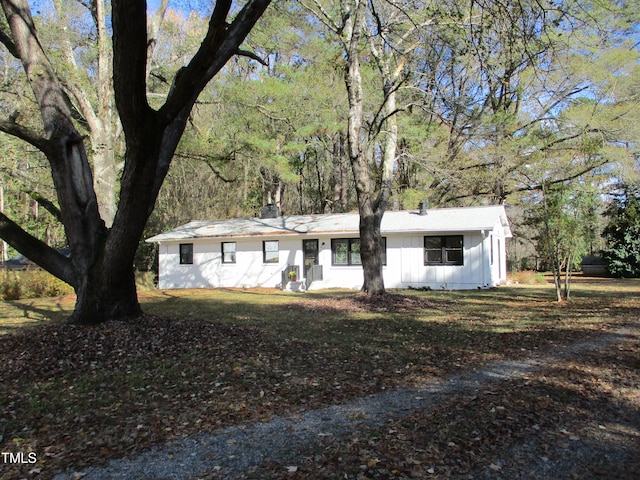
498,242
405,264
409,255
208,271
337,276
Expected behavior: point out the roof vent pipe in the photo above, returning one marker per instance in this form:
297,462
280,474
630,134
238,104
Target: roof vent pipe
422,207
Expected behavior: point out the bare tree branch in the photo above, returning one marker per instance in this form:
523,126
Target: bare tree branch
208,160
27,134
45,203
253,56
36,250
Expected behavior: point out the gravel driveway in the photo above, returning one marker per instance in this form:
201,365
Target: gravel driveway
287,441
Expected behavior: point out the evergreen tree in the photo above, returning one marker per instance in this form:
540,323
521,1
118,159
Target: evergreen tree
623,233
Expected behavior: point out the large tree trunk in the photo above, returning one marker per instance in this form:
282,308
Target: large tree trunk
101,265
370,250
371,206
352,35
106,292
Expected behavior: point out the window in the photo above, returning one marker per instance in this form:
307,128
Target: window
270,251
186,253
443,250
346,251
383,247
228,252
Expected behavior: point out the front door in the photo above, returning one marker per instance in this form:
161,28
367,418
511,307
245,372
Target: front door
310,255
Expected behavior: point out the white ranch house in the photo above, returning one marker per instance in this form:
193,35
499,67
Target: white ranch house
449,248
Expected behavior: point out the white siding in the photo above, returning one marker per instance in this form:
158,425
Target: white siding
499,264
208,270
408,254
405,263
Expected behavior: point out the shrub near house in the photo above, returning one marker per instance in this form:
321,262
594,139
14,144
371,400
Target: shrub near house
15,285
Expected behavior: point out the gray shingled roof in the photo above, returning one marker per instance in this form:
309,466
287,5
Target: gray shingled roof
436,220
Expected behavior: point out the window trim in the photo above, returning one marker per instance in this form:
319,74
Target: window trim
491,246
223,252
276,259
349,242
444,250
185,257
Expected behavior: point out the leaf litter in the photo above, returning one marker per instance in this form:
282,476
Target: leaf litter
79,397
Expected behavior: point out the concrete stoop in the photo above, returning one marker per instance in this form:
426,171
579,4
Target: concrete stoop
295,287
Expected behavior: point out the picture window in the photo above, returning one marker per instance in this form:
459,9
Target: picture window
346,251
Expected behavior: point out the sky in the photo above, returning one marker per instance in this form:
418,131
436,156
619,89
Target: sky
185,5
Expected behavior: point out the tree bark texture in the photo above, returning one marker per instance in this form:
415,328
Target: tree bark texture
101,265
371,207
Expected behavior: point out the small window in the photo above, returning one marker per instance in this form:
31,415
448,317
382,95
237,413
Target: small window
270,251
228,252
443,250
186,253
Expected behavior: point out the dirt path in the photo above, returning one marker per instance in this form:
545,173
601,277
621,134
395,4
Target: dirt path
286,446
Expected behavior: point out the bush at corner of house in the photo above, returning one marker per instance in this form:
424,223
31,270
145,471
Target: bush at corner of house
31,284
146,281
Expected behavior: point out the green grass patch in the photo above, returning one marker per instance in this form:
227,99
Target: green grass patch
204,359
17,314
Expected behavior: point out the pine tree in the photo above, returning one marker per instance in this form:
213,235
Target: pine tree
623,233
